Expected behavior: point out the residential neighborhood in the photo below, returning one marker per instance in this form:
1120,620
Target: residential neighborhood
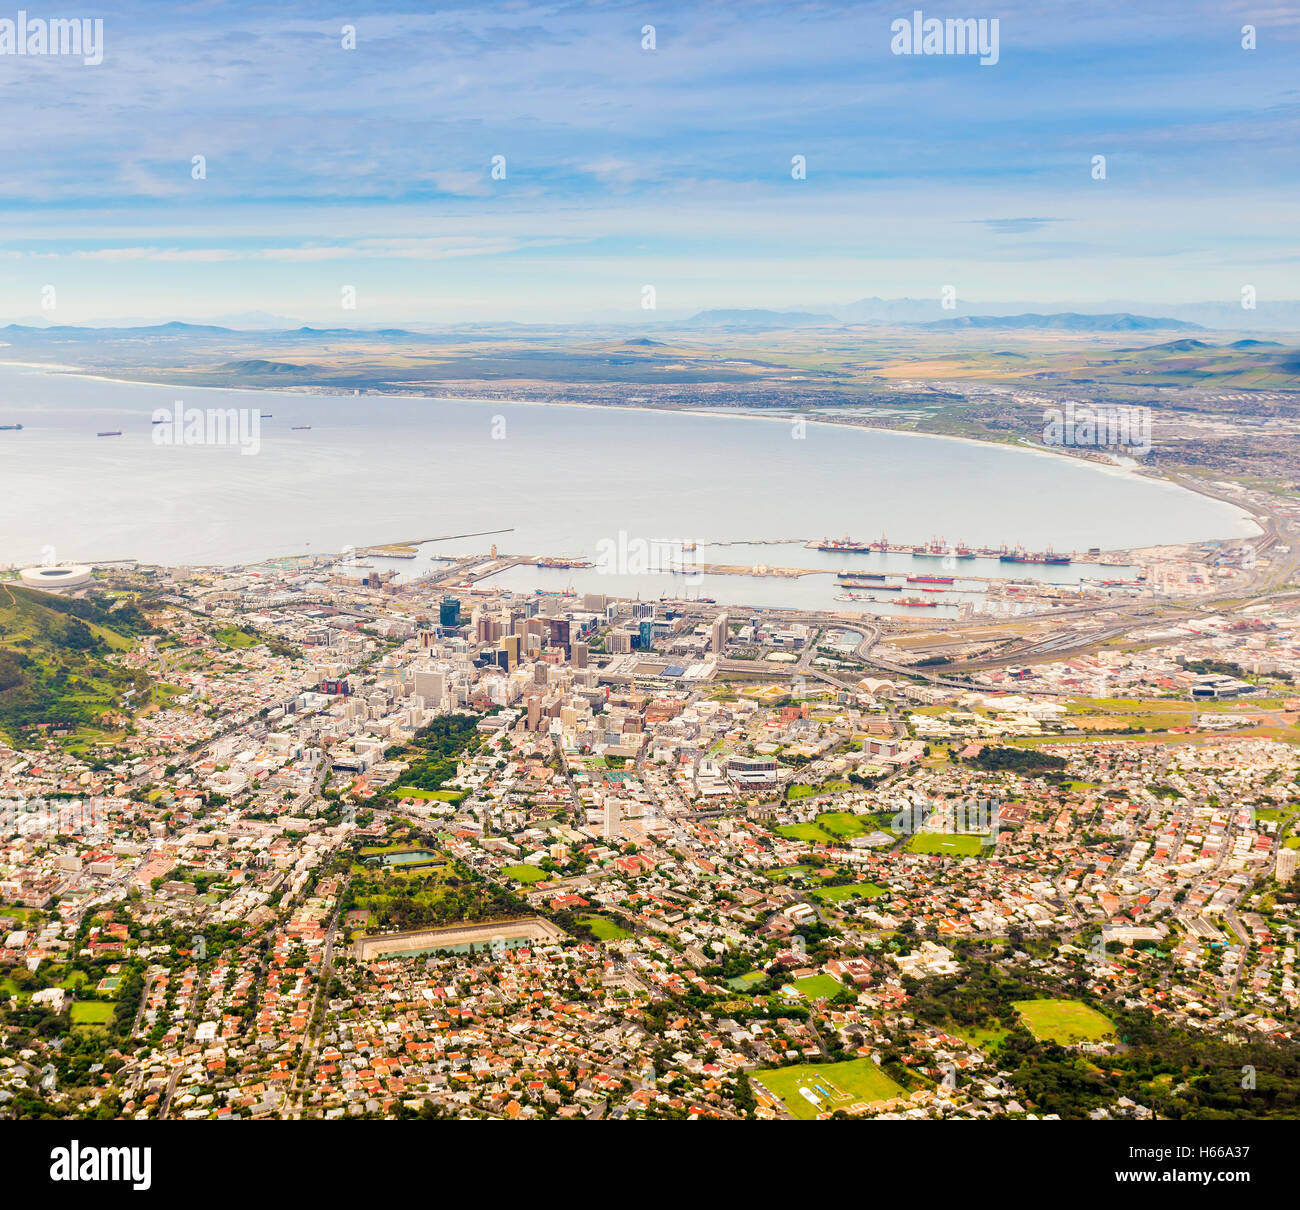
377,853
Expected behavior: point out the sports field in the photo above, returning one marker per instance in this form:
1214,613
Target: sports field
817,987
91,1012
950,845
786,872
830,1086
525,873
1063,1021
804,831
432,795
604,929
850,890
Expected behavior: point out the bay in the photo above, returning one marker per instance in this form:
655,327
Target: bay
561,479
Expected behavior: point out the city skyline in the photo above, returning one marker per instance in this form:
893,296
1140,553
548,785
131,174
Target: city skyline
588,561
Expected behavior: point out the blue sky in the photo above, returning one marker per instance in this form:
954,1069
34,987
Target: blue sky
370,167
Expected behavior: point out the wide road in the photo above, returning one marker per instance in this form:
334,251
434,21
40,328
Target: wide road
292,1106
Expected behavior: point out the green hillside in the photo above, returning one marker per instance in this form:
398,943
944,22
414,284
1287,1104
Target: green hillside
53,665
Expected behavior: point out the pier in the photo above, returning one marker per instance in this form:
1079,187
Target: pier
406,547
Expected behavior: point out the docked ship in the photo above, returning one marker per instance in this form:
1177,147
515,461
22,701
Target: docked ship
1022,556
917,601
860,575
844,545
929,579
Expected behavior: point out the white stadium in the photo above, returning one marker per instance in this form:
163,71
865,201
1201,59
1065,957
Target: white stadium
55,579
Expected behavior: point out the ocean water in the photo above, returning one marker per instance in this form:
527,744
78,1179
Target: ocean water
561,480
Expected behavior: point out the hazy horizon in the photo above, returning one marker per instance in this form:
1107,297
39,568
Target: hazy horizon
1280,315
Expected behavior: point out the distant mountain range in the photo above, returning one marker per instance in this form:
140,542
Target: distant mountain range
1282,315
1274,316
244,321
128,338
1066,321
176,330
1062,321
